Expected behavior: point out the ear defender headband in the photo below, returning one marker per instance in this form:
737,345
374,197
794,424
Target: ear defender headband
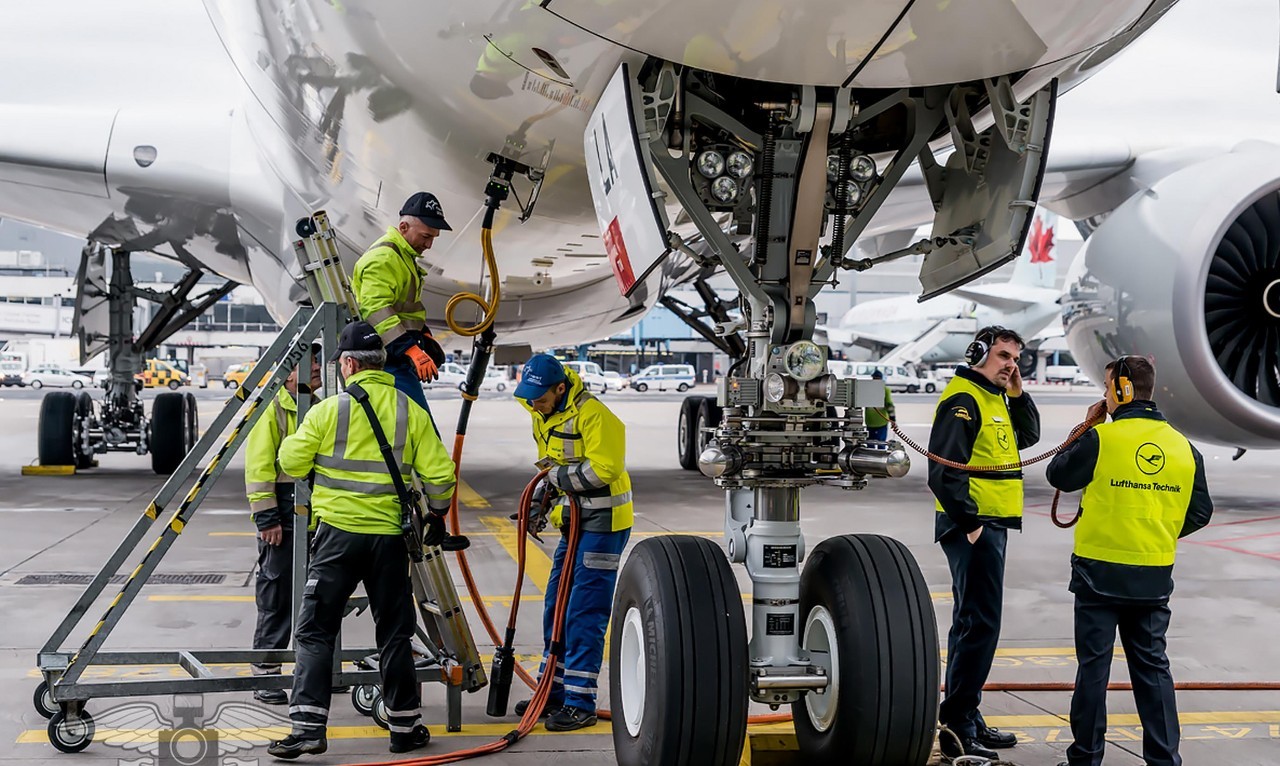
978,350
1121,385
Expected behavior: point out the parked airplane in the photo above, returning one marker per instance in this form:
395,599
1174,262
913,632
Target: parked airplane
904,329
648,144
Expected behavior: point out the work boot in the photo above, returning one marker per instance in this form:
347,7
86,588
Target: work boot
523,705
272,696
293,746
952,748
403,743
994,738
570,718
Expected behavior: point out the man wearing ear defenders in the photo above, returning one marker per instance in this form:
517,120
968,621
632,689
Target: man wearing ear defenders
1144,487
983,419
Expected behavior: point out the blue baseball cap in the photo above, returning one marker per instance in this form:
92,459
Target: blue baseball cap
540,373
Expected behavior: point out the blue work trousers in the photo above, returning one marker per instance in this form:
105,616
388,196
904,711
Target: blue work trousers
595,571
407,381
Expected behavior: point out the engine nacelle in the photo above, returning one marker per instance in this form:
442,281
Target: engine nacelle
1188,272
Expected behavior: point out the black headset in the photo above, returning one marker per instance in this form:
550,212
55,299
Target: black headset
978,350
1121,383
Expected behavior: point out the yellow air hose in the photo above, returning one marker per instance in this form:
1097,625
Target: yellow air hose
488,308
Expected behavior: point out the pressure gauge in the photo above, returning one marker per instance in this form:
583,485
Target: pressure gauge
804,360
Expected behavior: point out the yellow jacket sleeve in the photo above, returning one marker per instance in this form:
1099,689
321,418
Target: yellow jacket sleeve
260,462
431,462
377,287
298,450
604,441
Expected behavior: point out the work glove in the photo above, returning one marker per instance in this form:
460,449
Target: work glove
433,531
423,365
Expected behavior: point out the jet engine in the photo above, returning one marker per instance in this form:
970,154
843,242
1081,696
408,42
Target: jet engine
1187,271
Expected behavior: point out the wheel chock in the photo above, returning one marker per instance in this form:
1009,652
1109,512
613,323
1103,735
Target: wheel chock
771,748
48,470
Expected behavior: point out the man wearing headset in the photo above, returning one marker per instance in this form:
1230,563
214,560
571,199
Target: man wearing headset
1144,487
982,420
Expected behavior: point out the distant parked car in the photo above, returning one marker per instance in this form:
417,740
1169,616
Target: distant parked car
236,373
495,379
664,377
593,378
54,377
615,380
452,375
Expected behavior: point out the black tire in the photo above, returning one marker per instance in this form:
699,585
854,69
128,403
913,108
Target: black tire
708,417
885,704
37,385
379,712
228,384
642,387
363,697
683,387
71,735
193,420
929,388
173,385
913,389
686,434
501,387
77,384
678,615
84,413
168,430
43,701
57,429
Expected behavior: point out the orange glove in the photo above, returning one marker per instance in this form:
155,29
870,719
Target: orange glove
423,365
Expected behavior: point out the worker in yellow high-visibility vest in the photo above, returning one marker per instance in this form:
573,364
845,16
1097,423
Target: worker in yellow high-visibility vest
1144,488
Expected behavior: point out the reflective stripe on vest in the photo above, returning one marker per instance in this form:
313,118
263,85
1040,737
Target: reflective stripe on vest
340,462
1134,508
996,494
402,309
282,428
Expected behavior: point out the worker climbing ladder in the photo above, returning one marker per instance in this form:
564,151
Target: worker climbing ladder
448,650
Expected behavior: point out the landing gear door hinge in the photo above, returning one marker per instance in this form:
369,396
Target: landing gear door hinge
633,222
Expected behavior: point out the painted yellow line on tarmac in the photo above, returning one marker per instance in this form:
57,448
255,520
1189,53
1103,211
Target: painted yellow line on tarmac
1043,721
537,564
469,497
228,599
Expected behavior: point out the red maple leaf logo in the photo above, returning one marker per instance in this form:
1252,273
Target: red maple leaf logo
1041,242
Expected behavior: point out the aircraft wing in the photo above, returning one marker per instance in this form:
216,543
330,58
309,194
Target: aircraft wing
999,303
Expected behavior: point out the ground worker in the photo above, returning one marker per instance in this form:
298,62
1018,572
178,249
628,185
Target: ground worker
584,445
358,538
387,283
1144,488
271,501
878,420
983,419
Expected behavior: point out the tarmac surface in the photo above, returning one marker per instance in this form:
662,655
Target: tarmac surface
1225,615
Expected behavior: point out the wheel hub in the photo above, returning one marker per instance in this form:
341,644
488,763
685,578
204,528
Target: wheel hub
633,664
820,642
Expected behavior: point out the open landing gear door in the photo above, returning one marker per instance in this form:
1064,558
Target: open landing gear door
986,194
633,226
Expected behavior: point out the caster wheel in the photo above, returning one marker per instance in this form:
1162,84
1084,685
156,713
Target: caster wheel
379,712
363,698
43,701
71,735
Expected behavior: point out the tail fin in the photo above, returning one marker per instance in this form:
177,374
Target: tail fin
1038,264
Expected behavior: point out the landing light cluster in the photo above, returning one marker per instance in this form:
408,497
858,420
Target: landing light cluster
727,170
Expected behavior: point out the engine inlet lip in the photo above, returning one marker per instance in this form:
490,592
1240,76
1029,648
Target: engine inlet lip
1271,298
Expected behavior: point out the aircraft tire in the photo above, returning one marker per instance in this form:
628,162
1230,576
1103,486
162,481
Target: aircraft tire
169,432
709,415
84,412
687,434
867,618
679,642
56,445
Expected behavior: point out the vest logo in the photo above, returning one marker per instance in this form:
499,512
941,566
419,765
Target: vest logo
1002,436
1150,459
959,412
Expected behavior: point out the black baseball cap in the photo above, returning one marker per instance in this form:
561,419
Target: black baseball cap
426,208
358,336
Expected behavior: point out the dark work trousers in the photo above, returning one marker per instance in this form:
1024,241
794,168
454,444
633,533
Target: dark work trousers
1142,633
339,561
407,381
977,592
273,592
595,571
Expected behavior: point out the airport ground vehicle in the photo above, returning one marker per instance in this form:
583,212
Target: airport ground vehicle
53,376
593,378
664,377
161,374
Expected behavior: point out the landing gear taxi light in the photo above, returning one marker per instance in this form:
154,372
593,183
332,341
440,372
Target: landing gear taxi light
858,177
723,174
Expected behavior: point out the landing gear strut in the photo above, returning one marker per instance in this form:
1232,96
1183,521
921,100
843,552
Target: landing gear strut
849,642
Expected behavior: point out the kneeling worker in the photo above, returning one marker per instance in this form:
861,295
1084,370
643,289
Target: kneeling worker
1144,487
270,495
358,539
584,444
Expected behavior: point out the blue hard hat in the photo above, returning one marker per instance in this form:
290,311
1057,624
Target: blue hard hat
540,373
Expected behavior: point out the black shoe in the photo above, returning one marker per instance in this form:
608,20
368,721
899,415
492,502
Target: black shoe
523,705
570,718
994,738
1065,763
272,696
293,746
403,743
952,748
